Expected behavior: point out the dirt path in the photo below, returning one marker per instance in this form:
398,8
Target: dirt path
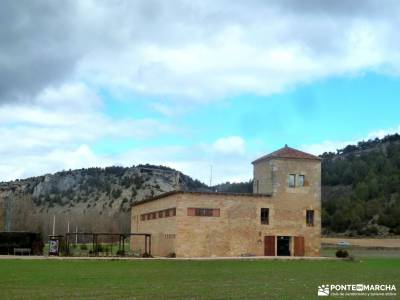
26,257
365,242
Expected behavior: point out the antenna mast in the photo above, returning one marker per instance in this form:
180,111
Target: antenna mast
211,174
178,187
8,212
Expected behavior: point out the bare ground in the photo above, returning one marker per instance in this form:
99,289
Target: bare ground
365,242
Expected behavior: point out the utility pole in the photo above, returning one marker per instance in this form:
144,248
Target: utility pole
8,212
177,181
54,225
76,235
211,175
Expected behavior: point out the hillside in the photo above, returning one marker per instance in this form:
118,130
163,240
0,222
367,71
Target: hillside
239,187
360,193
361,188
93,199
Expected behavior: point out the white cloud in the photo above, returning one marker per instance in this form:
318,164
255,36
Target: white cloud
382,133
194,160
228,156
255,48
58,133
194,50
332,146
230,145
326,146
55,55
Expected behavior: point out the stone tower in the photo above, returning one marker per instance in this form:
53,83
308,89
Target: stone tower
287,170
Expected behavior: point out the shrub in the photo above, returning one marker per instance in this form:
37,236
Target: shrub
342,253
147,255
116,193
100,248
138,182
83,247
172,255
126,181
134,192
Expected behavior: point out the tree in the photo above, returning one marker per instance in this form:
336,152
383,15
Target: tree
362,191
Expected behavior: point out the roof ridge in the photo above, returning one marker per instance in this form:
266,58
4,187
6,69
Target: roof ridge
174,192
288,152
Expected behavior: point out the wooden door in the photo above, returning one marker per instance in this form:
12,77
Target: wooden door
298,246
269,245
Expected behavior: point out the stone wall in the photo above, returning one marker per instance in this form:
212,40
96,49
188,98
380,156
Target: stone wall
235,232
263,177
238,229
273,175
163,230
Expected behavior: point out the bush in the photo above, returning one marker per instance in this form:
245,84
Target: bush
100,248
134,192
83,247
138,181
116,193
342,253
172,255
147,255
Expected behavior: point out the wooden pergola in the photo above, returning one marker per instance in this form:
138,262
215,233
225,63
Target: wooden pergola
121,240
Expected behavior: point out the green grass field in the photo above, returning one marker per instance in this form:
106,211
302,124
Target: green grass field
68,279
362,252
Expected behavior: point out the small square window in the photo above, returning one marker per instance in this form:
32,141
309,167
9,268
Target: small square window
310,218
292,180
301,180
265,216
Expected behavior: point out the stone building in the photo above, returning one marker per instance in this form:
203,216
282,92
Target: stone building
281,218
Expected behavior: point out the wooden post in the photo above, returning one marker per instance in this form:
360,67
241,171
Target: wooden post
149,245
93,245
54,225
67,244
119,244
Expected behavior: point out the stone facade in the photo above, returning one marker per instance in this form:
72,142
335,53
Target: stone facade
202,224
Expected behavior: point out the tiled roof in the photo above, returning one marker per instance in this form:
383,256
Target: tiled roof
198,193
287,152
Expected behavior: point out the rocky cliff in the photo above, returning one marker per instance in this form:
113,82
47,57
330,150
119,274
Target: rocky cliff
93,199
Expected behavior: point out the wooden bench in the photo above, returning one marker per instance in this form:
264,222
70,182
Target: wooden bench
22,251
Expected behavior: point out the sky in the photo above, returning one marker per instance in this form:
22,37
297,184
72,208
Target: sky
192,84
